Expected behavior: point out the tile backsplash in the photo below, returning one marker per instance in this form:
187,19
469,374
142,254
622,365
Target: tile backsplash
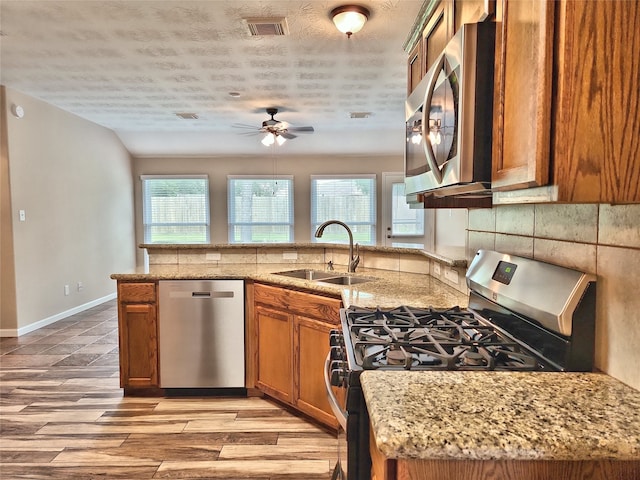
599,239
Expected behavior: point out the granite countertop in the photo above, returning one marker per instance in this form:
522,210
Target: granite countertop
386,289
462,415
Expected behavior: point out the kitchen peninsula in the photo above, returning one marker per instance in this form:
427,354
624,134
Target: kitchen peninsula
502,425
288,319
397,275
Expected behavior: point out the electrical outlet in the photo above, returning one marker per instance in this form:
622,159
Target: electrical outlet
213,257
289,255
23,216
66,290
451,275
436,268
80,286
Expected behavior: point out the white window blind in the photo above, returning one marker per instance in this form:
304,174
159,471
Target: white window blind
405,221
350,199
175,209
260,209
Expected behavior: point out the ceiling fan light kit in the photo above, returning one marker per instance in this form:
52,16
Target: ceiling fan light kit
349,19
275,131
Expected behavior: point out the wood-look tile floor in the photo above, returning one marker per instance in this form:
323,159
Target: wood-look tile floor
63,416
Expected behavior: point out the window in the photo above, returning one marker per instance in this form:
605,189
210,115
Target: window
405,221
175,209
350,199
260,209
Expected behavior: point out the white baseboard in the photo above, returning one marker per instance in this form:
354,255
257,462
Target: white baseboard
13,332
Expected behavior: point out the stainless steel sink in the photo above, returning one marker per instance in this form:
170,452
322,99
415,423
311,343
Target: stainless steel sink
345,280
320,276
306,274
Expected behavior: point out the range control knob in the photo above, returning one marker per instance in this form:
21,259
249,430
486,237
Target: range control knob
336,338
338,373
337,353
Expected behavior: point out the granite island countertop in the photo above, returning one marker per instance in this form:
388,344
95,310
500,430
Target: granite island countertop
462,415
386,289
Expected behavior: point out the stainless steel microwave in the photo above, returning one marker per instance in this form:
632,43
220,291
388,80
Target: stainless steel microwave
449,118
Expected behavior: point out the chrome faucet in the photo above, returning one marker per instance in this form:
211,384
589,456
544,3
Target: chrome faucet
353,261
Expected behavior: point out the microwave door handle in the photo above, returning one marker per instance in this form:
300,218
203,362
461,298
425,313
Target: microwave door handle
428,148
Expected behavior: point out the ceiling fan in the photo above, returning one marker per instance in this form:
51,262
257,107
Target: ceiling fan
274,130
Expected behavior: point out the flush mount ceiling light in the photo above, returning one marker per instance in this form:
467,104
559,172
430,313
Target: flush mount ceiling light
349,19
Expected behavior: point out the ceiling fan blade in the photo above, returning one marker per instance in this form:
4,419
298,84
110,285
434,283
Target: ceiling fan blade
244,125
301,129
257,132
287,135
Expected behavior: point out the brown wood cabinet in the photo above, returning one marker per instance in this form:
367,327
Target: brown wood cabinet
437,24
311,344
383,468
292,342
567,78
522,98
510,469
138,336
274,329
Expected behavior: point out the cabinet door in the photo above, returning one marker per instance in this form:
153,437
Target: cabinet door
311,347
138,327
523,89
597,125
274,330
414,67
437,33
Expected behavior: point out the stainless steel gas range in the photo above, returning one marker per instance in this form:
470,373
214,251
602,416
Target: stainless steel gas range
523,315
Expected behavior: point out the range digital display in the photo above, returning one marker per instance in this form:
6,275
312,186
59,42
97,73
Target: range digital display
504,272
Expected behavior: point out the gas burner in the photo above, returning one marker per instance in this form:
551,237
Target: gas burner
472,357
397,356
421,339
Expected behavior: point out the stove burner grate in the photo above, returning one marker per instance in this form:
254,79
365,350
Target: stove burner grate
451,339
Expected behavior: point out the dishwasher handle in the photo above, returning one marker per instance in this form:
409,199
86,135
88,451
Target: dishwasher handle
200,294
212,294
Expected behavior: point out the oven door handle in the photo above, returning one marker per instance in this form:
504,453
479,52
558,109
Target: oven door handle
340,414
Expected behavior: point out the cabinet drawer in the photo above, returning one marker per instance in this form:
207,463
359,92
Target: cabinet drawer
307,304
137,292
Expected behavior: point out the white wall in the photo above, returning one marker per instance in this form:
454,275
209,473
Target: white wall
73,180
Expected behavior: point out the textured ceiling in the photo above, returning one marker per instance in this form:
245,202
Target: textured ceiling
132,65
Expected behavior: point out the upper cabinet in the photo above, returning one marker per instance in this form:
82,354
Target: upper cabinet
567,95
522,95
436,24
566,125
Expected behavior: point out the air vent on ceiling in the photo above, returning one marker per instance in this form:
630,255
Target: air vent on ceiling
267,26
187,115
360,114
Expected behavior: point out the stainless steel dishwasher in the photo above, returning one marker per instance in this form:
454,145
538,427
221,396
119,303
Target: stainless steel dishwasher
201,333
